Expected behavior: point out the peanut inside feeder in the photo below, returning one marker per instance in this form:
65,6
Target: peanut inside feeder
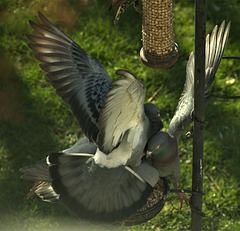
159,49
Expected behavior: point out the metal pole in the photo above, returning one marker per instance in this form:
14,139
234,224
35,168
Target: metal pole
199,111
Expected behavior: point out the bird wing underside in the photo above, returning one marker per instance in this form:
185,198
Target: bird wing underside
79,79
215,46
123,111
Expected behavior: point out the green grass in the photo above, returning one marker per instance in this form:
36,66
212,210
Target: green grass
34,121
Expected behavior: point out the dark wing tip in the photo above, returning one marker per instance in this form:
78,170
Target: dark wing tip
32,23
31,46
40,14
38,56
44,20
44,67
36,27
28,36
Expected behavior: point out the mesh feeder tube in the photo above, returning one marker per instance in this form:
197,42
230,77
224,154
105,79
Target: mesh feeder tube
159,49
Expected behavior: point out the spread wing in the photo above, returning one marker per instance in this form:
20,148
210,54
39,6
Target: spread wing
79,79
123,111
215,46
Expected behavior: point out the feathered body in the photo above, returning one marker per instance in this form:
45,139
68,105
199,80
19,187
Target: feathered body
103,177
96,178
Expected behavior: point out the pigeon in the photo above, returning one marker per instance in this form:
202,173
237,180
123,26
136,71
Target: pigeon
123,6
101,178
162,148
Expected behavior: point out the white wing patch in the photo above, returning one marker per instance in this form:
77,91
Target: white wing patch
122,112
134,135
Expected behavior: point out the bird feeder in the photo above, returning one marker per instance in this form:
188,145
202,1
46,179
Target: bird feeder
159,49
153,206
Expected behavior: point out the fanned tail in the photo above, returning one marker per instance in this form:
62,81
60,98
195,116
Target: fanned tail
93,193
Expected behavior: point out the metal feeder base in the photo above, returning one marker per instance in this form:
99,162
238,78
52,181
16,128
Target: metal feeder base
163,61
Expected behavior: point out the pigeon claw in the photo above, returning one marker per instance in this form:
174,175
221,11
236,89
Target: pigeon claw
182,198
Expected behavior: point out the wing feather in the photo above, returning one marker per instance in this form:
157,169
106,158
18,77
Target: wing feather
79,79
215,46
123,110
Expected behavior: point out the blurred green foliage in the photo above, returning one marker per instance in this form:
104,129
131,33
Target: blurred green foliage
34,121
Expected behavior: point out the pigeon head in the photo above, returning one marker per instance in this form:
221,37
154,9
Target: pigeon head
163,150
152,111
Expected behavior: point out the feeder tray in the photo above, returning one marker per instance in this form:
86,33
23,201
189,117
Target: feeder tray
159,49
153,206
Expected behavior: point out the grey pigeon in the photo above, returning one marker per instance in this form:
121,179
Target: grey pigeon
163,147
100,178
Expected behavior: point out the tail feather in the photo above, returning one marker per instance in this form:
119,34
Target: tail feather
96,193
45,191
36,172
88,190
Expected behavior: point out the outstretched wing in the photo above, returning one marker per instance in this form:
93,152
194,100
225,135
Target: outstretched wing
123,110
79,79
215,46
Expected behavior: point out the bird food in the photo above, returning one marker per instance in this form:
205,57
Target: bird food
155,197
153,206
